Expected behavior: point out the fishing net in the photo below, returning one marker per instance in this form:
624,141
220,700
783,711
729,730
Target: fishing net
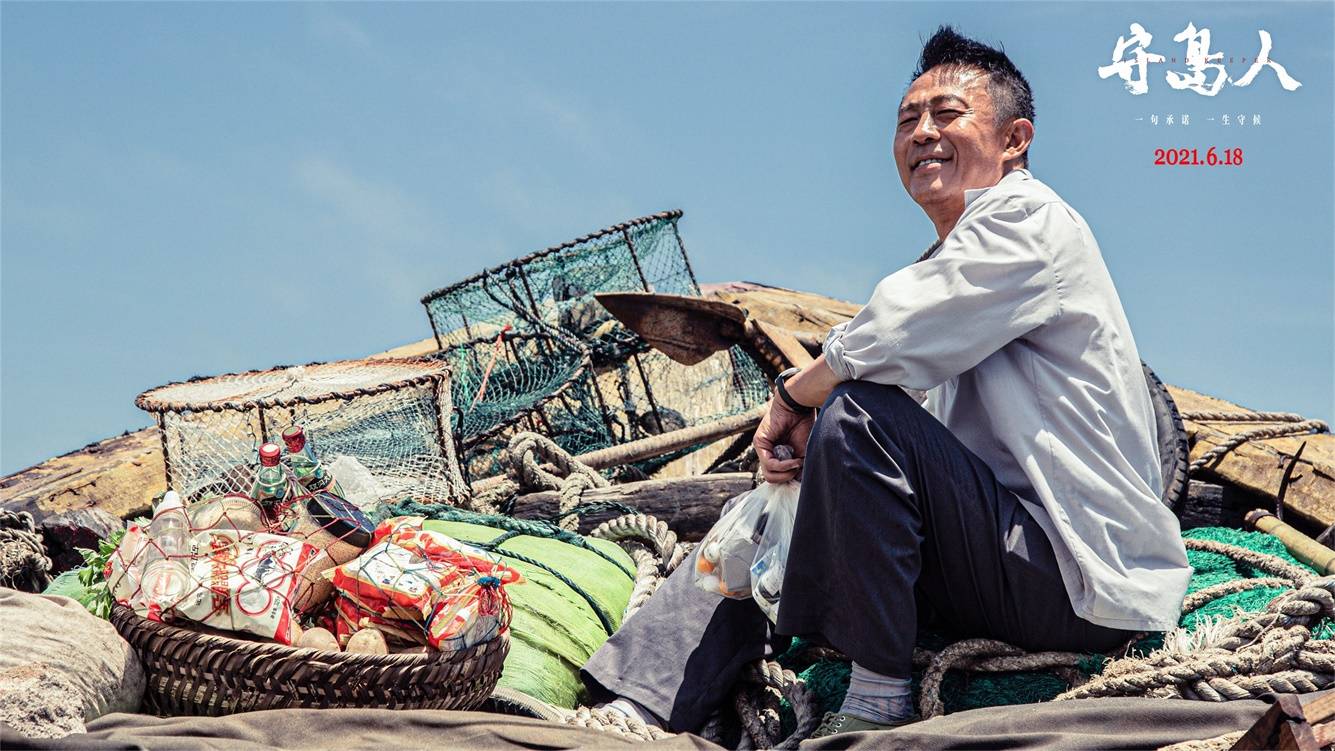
532,349
524,381
379,426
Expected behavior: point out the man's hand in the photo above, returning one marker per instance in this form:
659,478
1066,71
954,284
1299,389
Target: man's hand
779,426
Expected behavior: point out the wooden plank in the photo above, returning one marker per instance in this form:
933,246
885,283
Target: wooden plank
1258,466
804,312
120,475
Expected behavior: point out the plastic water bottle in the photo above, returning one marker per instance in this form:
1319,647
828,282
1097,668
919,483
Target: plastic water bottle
270,482
166,578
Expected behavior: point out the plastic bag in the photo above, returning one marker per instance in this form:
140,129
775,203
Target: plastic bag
724,557
772,552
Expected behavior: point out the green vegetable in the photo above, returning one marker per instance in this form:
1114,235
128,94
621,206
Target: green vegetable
88,583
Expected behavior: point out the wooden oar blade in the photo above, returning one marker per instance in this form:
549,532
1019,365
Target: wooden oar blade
686,329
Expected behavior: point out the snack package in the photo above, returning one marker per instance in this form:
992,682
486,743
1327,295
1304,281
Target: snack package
724,557
394,581
246,581
772,552
423,586
351,618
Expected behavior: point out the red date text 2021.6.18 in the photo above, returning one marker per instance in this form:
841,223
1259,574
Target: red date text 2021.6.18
1213,157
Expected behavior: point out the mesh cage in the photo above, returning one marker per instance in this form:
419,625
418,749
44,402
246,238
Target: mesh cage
555,287
377,424
505,384
572,372
650,393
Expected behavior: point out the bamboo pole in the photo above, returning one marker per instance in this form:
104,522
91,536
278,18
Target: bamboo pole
1302,547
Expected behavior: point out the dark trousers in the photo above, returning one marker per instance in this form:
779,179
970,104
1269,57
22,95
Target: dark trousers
898,524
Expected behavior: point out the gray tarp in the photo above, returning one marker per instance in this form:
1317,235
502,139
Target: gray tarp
1087,724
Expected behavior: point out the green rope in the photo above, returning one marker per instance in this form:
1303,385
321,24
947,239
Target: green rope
603,617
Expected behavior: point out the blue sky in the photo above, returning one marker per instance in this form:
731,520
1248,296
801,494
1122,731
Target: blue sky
204,188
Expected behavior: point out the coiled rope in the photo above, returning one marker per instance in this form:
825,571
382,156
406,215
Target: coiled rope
24,564
1290,424
523,459
1255,654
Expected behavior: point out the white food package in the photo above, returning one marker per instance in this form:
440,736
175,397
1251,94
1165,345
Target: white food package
246,582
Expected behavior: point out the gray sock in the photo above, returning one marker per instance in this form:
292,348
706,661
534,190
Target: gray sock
633,710
877,698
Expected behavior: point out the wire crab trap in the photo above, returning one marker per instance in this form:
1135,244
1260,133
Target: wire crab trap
515,382
555,287
549,296
380,427
650,394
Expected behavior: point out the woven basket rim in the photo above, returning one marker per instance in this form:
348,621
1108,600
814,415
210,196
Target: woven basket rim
669,215
437,370
133,621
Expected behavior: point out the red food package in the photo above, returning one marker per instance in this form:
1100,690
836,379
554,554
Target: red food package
412,578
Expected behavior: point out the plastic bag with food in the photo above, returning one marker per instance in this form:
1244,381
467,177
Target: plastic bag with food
723,558
771,558
246,582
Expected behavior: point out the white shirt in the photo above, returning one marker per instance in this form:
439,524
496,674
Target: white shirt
1013,326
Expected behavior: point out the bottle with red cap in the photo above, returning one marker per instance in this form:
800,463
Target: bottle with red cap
271,481
306,466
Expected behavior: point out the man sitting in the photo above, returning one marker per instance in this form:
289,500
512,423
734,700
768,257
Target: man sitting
1019,502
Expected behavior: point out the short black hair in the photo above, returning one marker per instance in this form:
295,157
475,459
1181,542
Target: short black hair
1010,92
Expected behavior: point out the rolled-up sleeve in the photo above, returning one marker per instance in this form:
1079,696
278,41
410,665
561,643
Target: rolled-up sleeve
992,281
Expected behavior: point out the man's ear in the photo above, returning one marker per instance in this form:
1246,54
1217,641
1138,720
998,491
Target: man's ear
1018,137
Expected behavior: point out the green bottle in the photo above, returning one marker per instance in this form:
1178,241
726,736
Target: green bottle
270,486
306,465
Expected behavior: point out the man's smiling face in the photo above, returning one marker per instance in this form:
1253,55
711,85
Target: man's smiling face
947,139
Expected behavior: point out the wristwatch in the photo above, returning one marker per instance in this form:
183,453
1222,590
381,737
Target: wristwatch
787,398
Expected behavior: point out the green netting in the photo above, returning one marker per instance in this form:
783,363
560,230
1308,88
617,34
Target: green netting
532,349
525,369
555,286
555,629
828,679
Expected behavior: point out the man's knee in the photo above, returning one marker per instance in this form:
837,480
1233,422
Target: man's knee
854,404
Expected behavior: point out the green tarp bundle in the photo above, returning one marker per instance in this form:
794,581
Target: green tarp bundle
555,629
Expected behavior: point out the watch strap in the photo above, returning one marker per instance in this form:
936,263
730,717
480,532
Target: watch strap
787,398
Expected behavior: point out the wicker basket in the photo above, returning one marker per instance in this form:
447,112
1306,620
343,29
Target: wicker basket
193,673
